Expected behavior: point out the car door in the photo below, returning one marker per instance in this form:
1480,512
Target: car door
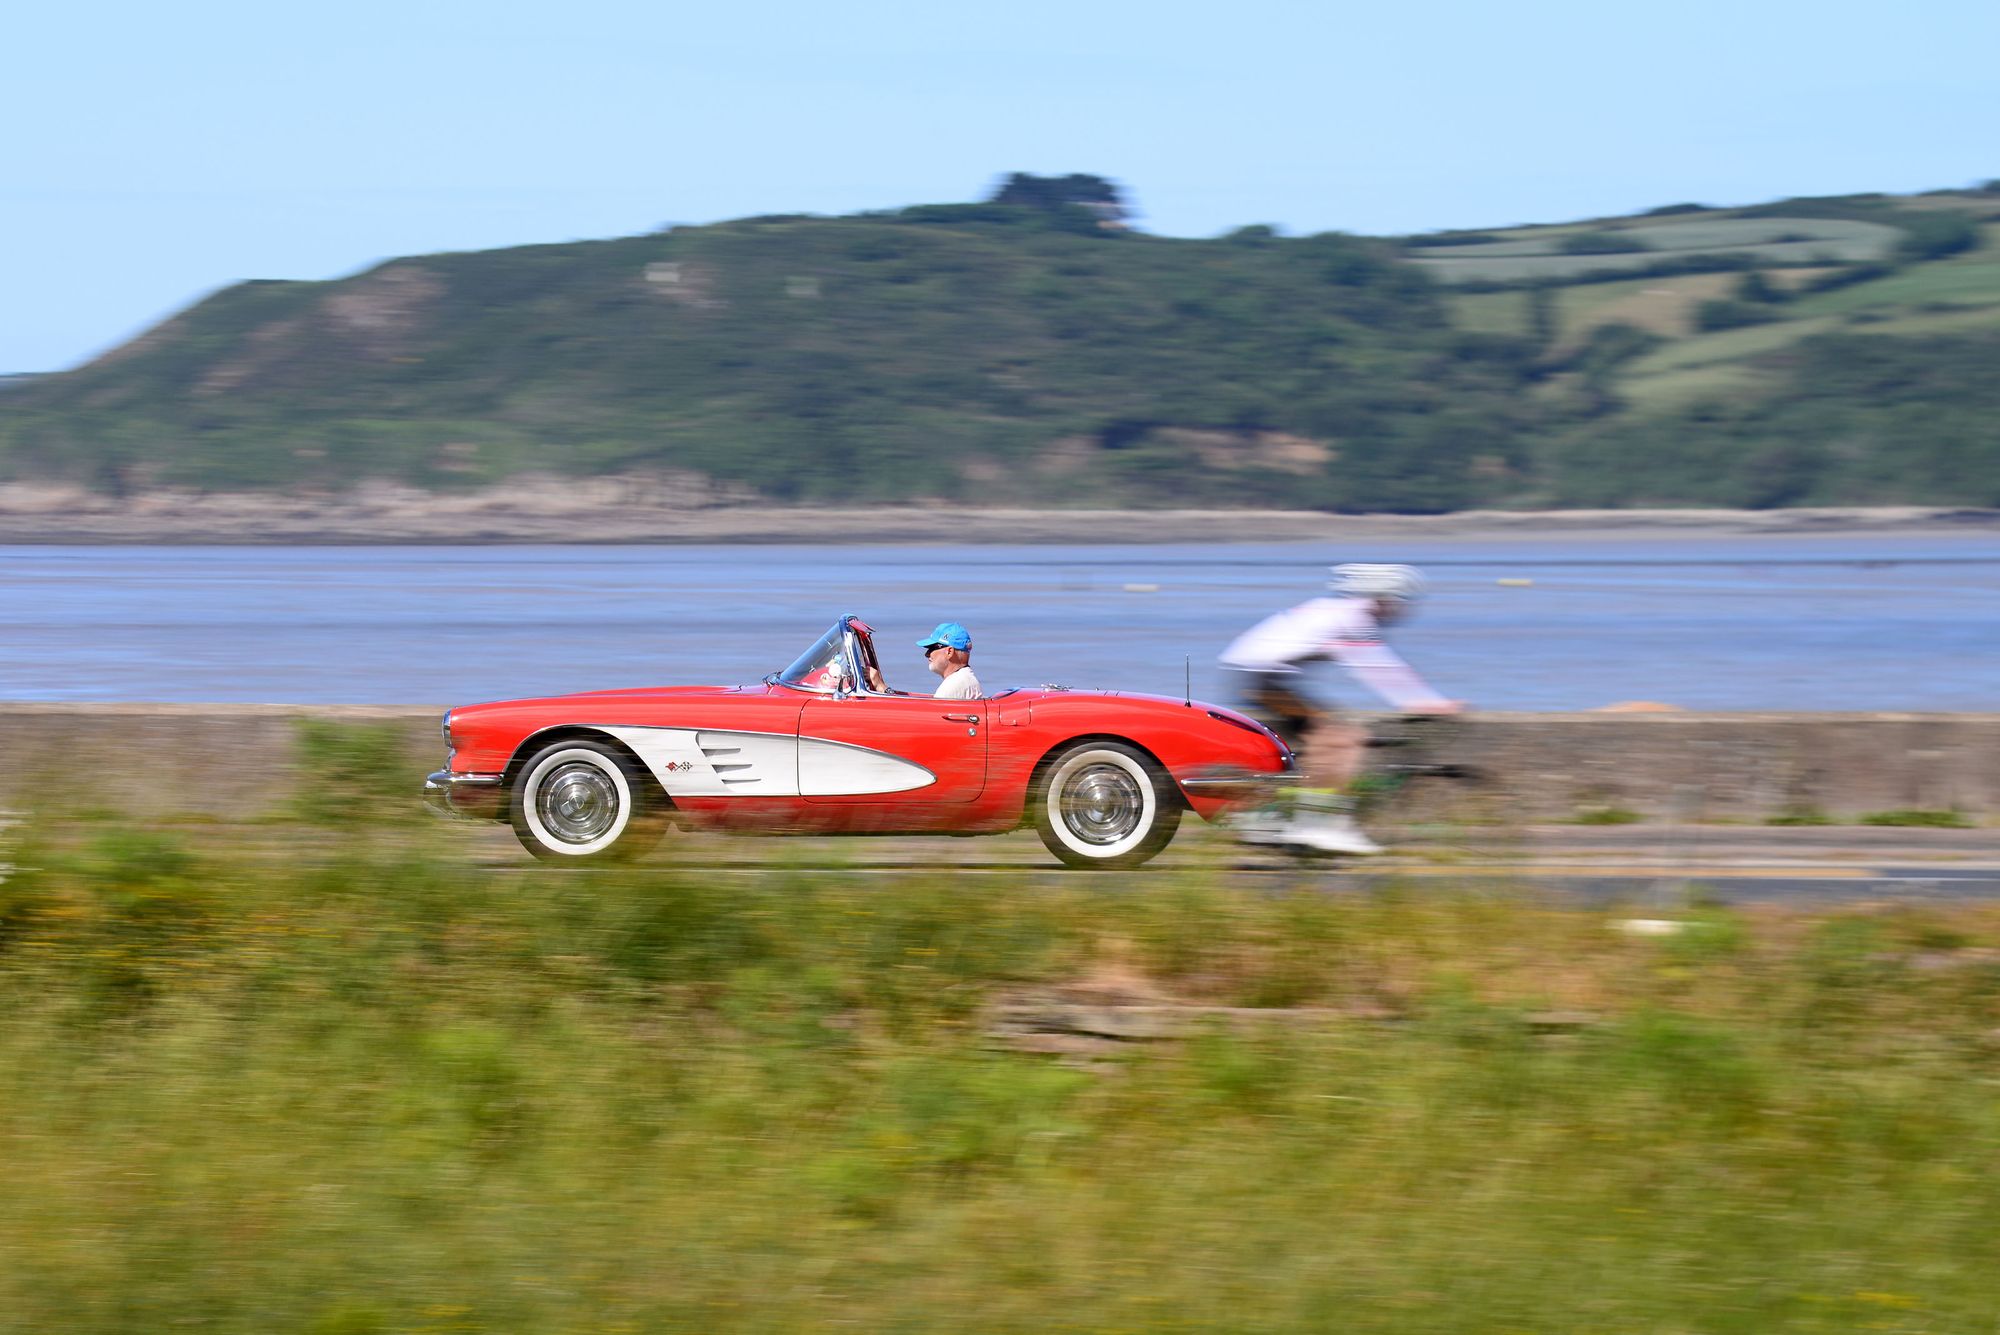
892,749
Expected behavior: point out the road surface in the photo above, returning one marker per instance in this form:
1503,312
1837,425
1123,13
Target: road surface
1632,864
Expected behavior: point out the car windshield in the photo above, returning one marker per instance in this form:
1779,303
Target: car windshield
822,667
830,665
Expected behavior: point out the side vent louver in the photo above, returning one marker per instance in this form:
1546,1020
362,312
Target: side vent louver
729,771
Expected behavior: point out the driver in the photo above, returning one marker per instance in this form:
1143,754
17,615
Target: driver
948,652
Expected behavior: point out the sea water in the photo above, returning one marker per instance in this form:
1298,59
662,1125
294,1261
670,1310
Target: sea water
1848,622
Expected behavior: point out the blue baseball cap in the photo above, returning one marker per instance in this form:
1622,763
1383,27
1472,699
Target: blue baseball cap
947,633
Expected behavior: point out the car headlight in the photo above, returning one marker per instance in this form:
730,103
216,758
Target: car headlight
445,727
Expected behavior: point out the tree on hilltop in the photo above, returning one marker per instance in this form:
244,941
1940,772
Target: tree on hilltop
1052,194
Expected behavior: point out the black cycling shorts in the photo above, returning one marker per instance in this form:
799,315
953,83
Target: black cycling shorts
1275,700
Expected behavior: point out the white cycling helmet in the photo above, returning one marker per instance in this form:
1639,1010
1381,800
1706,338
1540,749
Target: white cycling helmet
1364,580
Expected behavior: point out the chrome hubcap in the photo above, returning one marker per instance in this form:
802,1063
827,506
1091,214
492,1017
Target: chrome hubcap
1102,804
577,803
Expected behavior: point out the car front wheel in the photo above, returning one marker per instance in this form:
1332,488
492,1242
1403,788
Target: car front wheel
1105,805
577,801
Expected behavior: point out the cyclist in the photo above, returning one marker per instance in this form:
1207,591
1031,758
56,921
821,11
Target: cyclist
1317,814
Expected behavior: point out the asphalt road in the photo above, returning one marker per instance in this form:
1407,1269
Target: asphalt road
1634,864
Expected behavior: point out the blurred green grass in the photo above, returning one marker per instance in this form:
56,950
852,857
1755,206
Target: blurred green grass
374,1083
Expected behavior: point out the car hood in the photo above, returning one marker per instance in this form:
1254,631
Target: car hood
1037,694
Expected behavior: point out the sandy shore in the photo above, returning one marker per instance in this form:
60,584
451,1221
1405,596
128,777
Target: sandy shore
605,512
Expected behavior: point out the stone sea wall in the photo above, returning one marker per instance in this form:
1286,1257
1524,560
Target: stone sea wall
246,760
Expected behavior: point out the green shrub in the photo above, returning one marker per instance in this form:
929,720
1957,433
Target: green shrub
1693,1067
1253,234
130,909
1724,314
1602,243
133,866
1846,961
1754,287
1932,235
1435,239
1610,346
1919,817
352,774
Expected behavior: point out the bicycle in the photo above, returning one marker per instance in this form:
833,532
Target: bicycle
1401,749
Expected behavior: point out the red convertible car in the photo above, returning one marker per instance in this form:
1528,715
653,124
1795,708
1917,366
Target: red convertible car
1103,775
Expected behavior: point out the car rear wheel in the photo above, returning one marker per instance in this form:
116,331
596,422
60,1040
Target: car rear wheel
1105,805
579,801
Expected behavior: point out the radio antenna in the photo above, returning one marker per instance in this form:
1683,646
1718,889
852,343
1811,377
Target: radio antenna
1187,680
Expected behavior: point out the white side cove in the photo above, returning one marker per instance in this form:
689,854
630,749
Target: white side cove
698,762
839,769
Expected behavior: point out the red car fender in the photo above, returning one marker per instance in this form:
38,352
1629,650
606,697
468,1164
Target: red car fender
1188,739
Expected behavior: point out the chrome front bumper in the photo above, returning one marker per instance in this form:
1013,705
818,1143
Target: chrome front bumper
1238,784
464,796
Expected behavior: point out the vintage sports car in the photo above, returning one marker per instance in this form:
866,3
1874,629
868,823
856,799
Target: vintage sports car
1103,775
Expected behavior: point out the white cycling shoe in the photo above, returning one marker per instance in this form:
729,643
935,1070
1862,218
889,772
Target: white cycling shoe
1330,833
1260,827
1310,831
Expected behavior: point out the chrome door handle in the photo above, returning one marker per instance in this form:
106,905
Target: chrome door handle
963,718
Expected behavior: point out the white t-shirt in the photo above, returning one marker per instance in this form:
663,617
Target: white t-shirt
960,685
1343,629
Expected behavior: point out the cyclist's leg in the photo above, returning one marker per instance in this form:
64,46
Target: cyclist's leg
1275,700
1323,806
1338,748
1269,698
1312,812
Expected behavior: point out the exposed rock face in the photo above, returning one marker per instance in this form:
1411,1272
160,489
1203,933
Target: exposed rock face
1237,451
669,506
382,312
685,283
378,317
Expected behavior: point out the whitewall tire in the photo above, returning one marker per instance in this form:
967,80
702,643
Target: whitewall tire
1105,805
576,801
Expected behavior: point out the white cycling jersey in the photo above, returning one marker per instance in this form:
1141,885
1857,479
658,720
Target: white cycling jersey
1343,629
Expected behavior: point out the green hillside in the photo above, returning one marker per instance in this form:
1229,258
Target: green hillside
1814,351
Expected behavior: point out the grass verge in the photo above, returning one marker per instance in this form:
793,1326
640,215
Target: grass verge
375,1085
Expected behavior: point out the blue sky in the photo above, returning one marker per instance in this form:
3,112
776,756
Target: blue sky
154,153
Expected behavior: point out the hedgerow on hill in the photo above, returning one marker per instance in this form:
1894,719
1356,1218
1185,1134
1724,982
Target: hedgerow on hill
1031,349
1854,419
